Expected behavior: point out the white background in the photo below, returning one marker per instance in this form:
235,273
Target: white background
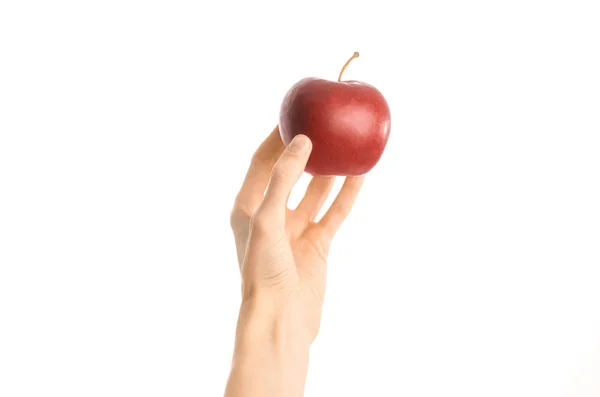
470,266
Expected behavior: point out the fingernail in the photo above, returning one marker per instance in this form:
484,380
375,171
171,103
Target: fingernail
299,144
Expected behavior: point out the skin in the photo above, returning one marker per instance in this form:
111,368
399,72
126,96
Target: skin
282,254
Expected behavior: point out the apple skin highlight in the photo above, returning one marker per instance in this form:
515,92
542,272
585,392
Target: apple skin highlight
348,123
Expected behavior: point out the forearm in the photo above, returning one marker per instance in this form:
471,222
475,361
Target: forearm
271,351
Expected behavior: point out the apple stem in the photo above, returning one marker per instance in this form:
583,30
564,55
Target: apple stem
355,55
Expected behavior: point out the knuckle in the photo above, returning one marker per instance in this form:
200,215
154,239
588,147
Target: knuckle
294,154
261,221
342,208
256,159
261,158
235,219
280,174
239,213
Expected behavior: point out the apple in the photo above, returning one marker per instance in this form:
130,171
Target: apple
348,123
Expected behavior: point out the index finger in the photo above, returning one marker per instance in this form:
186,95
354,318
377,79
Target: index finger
253,188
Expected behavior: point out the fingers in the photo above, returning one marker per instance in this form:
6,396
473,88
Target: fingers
257,177
342,205
316,194
285,174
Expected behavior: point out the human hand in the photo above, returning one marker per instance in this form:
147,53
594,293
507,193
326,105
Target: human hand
282,255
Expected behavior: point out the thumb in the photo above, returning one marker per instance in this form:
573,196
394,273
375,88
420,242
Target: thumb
286,172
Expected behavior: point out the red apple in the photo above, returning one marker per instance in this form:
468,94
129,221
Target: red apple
348,123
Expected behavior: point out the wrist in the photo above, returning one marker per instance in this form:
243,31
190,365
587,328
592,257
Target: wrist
271,350
274,320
